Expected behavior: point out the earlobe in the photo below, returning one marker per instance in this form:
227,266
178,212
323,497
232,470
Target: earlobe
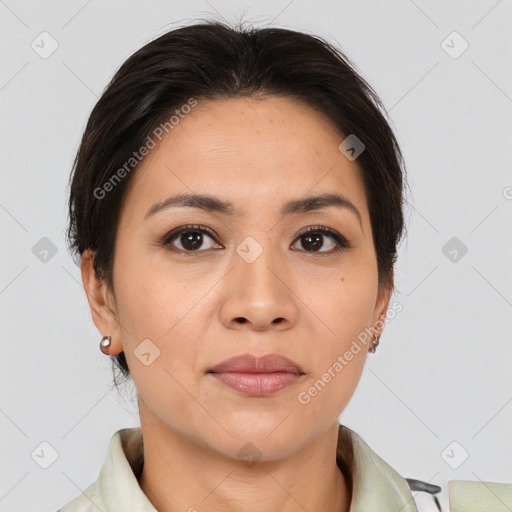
100,302
380,313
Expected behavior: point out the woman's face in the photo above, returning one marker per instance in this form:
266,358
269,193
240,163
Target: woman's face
251,283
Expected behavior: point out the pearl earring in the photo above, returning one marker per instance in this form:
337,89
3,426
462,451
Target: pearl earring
105,344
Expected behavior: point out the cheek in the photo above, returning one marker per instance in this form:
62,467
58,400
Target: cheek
337,362
152,319
329,391
151,300
346,305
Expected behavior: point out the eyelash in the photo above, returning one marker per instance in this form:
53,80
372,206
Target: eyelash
342,243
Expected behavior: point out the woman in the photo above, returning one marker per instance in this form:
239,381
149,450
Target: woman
236,203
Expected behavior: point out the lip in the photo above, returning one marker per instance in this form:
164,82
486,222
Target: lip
248,363
257,376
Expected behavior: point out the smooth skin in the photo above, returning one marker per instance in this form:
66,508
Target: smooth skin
188,299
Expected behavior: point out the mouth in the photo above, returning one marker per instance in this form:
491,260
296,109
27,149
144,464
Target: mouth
257,376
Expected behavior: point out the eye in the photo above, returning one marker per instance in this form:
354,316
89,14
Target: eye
313,238
191,238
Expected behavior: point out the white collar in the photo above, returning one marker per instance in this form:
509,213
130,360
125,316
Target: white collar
375,484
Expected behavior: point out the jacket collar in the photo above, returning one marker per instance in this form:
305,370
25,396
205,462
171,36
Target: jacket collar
375,485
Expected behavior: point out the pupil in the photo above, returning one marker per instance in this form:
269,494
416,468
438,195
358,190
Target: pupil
313,241
192,240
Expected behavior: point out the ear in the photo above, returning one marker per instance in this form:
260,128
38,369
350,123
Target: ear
382,303
101,303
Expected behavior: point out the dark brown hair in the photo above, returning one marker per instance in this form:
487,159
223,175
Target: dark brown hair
210,60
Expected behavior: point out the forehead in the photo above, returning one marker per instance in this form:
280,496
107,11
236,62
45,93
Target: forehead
256,151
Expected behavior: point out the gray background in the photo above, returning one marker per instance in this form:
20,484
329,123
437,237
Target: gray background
442,371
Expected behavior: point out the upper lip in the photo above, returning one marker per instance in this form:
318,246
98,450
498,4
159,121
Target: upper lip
253,364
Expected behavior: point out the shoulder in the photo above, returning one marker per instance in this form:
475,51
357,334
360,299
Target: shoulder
466,495
88,501
377,486
117,487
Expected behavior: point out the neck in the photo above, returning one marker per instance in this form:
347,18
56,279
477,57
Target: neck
182,475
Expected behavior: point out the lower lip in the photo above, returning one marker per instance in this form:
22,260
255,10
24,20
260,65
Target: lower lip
257,384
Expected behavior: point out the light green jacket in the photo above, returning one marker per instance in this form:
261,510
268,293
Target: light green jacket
376,486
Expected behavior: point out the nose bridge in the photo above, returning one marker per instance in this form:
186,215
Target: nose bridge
258,293
259,265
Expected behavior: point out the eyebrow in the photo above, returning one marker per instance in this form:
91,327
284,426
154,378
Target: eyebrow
216,205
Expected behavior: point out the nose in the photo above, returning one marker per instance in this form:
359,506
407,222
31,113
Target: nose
259,294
